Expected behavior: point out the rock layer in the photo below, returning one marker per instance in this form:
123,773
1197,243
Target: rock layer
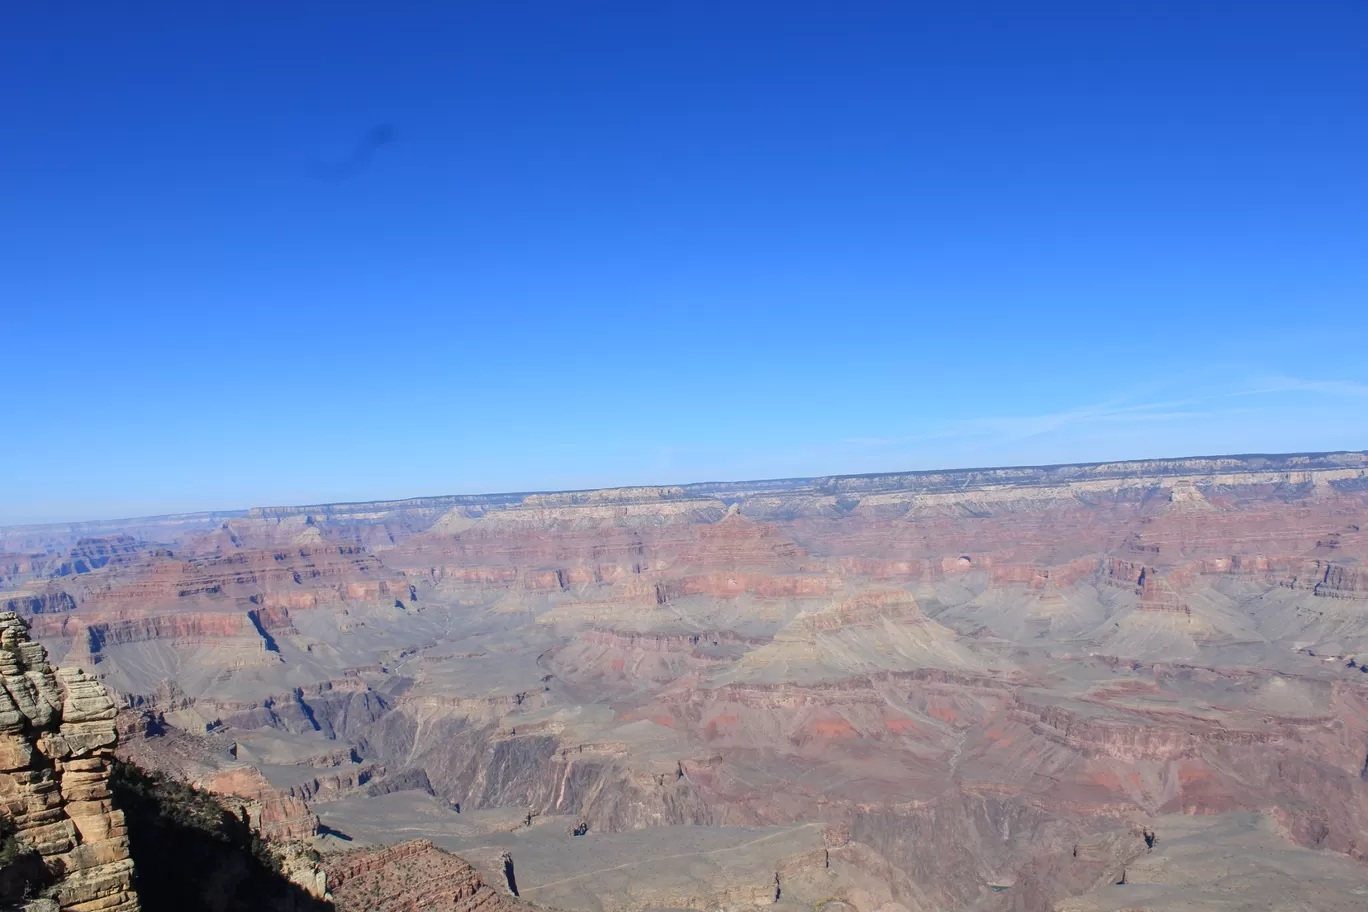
57,737
980,685
413,876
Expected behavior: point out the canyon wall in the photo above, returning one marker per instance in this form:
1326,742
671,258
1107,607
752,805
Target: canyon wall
973,688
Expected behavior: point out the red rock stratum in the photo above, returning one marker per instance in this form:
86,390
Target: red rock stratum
990,689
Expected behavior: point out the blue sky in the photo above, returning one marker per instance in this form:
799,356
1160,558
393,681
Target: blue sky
632,243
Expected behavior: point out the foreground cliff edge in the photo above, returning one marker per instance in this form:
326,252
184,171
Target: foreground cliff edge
57,737
74,815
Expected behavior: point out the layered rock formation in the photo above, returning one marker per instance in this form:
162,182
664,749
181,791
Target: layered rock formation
937,690
57,736
414,876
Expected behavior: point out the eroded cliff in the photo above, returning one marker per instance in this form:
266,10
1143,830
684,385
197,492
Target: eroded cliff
936,690
57,737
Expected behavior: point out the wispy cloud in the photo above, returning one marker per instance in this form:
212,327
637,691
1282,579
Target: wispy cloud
1125,410
1224,414
1299,385
1010,428
1114,412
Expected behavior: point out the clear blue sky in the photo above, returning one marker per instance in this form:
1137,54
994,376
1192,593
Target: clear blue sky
666,242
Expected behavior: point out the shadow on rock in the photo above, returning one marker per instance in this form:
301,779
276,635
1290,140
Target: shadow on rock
190,852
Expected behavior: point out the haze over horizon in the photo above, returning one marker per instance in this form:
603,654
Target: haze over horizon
665,483
257,256
658,484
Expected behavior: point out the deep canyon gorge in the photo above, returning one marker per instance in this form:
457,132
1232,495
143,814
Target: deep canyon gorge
1132,685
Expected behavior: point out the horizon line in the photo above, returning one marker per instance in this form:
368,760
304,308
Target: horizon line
244,511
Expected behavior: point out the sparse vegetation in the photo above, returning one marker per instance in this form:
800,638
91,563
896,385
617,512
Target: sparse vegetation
22,872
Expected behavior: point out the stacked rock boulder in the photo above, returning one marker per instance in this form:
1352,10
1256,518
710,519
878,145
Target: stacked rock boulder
57,739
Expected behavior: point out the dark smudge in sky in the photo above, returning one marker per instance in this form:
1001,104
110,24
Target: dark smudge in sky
361,155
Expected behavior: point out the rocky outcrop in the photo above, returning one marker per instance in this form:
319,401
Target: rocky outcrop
195,850
90,554
409,877
273,813
57,737
52,601
1338,581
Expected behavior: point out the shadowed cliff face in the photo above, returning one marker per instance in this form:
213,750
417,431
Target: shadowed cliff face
971,689
192,852
414,875
23,875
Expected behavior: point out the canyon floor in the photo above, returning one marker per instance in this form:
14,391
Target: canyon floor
1135,685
